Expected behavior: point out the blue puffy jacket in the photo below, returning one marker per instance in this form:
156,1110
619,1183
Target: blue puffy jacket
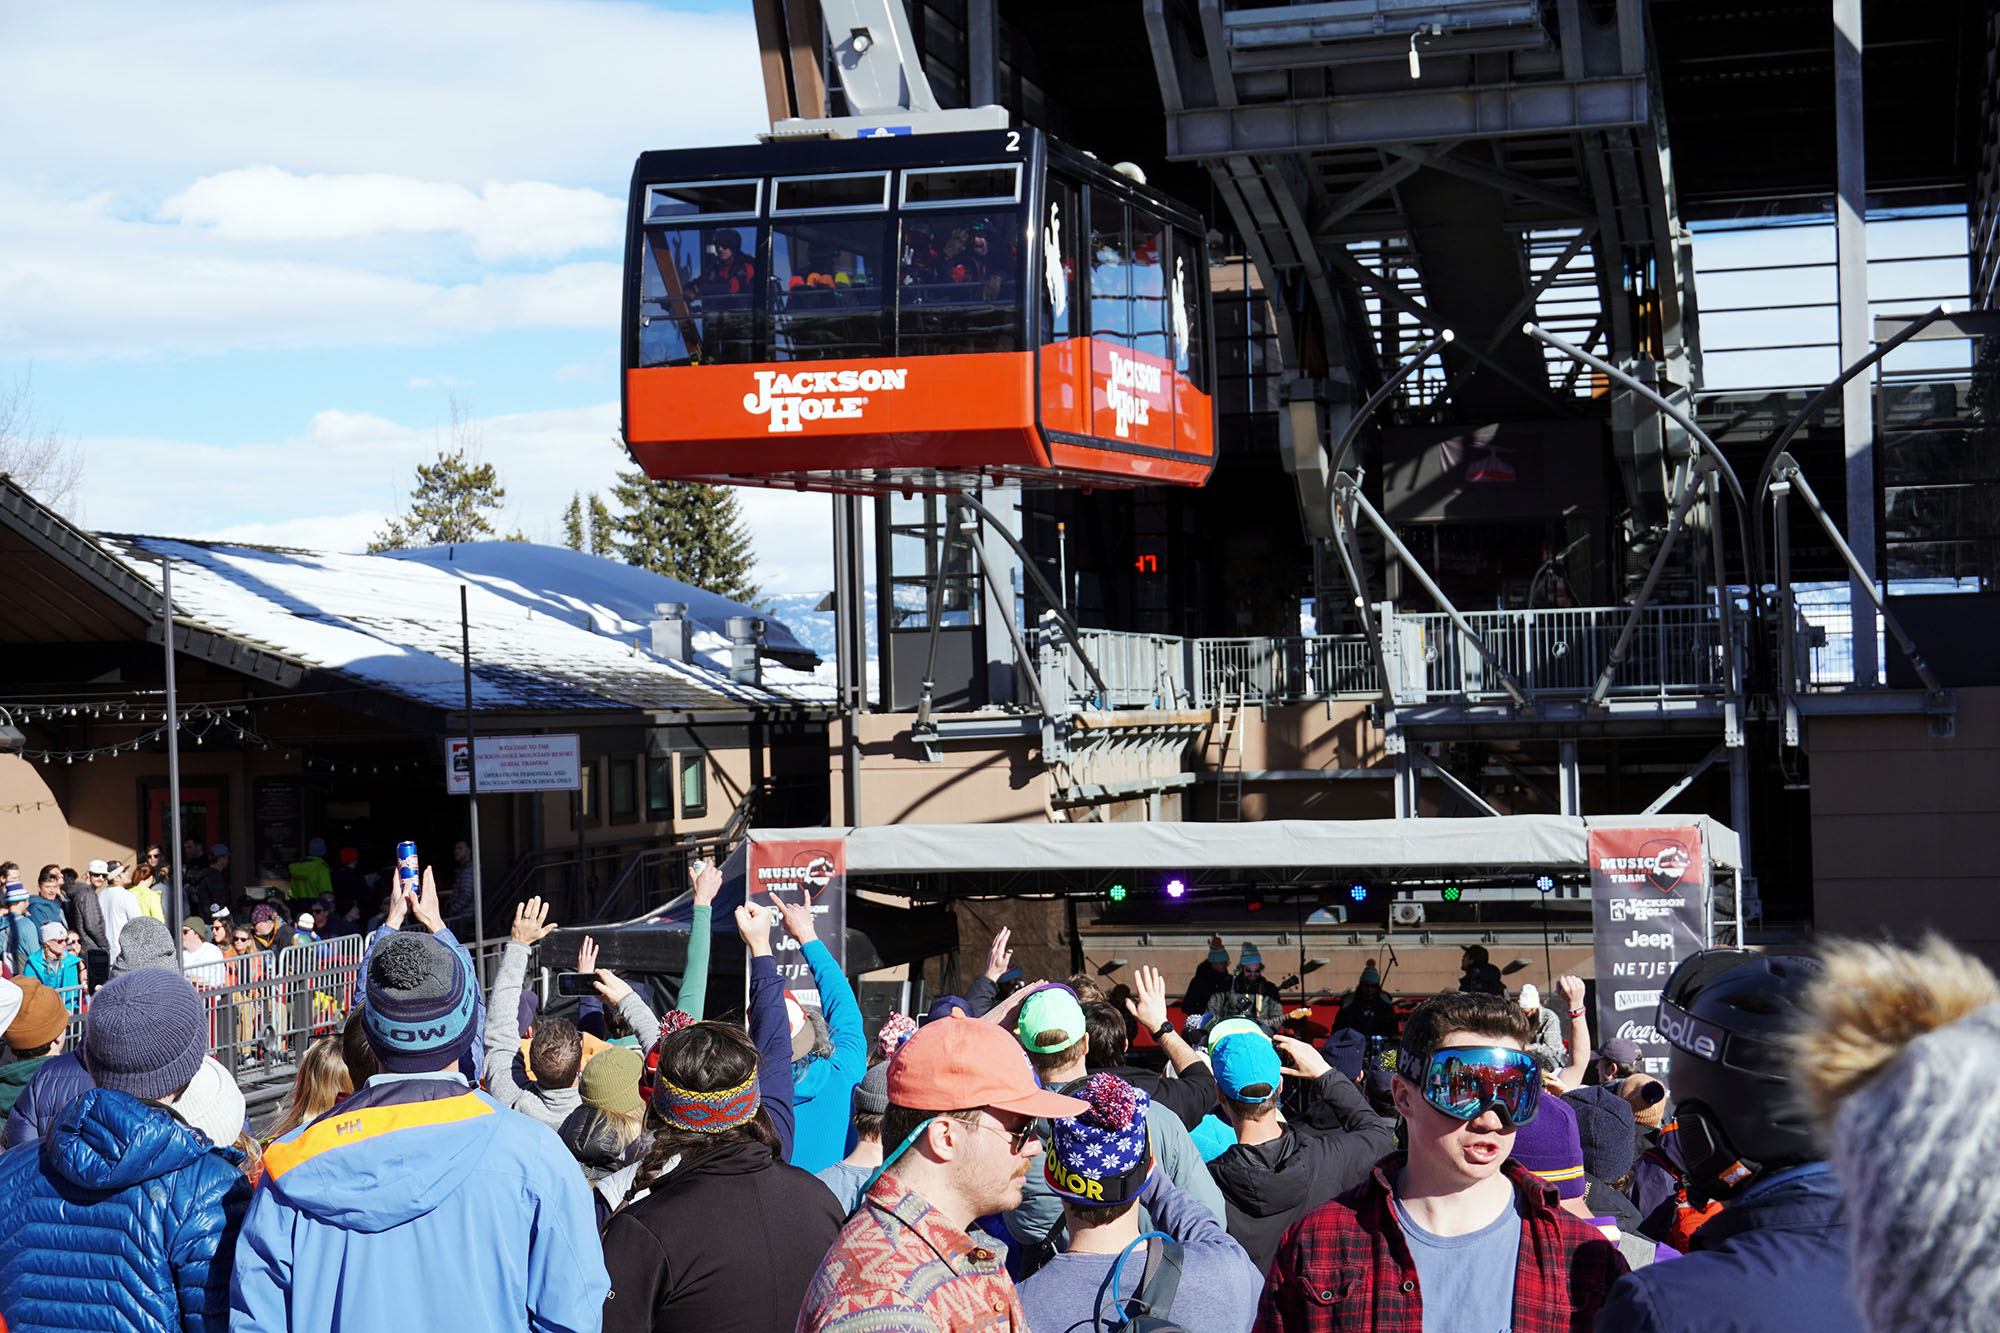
122,1220
1774,1259
824,1085
60,1080
420,1203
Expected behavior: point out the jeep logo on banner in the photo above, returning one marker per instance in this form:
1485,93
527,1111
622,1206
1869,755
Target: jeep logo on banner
814,873
1649,897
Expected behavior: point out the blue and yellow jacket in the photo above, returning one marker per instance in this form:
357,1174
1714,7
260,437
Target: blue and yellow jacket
419,1203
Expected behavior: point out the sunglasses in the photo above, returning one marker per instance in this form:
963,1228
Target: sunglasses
1465,1082
1017,1139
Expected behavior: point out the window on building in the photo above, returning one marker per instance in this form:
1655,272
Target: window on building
660,788
624,791
694,783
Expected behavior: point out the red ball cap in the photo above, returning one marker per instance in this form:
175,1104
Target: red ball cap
959,1063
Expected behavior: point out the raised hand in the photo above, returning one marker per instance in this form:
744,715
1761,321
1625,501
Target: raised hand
531,922
426,904
1149,998
1301,1060
798,919
706,877
586,955
1572,990
998,956
753,923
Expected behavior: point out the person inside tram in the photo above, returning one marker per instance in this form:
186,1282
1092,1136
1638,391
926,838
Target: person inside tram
728,272
919,257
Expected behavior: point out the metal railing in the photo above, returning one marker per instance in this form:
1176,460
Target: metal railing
1139,670
1676,650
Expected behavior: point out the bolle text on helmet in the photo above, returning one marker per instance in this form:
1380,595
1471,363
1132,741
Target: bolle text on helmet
789,401
1123,391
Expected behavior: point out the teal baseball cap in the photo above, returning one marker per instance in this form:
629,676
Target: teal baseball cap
1243,1060
1050,1020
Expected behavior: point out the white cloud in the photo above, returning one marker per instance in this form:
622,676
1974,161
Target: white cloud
525,219
330,487
139,96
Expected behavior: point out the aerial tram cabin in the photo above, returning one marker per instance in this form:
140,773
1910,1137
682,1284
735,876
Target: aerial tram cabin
914,312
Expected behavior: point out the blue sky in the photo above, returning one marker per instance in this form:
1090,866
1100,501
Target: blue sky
249,253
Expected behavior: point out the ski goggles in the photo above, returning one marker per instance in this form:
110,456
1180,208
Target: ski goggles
1465,1082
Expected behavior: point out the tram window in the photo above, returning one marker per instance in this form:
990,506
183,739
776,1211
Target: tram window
958,284
712,199
1190,334
1110,270
1147,285
1059,230
831,194
934,187
697,294
826,289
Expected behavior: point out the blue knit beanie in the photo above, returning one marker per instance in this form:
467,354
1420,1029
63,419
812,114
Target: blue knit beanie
145,1034
1101,1156
420,1003
1345,1050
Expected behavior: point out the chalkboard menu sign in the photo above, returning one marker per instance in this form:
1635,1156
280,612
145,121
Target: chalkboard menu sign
277,815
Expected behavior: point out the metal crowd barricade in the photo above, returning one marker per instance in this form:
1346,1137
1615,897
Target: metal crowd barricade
265,1008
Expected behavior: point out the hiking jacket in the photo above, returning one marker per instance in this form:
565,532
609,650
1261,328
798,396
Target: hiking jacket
419,1203
728,1245
1346,1265
1775,1258
823,1086
86,914
123,1220
1268,1186
52,1084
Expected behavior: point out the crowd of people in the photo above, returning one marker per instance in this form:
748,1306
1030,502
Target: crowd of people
453,1156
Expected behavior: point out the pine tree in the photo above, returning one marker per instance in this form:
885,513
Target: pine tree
685,531
451,496
573,522
603,529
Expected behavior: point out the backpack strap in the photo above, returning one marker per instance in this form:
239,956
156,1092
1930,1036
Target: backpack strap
1159,1281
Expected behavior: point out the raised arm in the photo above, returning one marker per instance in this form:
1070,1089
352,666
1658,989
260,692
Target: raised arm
503,1029
1571,1075
836,997
693,995
614,992
768,1028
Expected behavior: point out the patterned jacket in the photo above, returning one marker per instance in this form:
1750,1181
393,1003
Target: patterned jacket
899,1267
1346,1265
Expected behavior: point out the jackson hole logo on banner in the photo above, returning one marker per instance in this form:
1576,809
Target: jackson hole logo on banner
789,401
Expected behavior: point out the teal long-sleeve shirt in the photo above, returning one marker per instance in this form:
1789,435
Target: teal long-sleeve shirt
824,1085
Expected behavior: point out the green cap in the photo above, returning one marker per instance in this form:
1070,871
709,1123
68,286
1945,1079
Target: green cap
1051,1020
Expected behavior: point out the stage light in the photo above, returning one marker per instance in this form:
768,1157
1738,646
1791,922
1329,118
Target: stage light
1116,893
1176,888
1545,883
1359,893
1253,901
1452,893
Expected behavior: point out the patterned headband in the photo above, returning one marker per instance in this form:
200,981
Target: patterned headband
706,1112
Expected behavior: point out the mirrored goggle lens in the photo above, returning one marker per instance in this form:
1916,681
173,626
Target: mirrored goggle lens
1464,1083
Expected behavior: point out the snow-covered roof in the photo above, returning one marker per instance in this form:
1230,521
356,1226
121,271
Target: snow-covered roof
392,622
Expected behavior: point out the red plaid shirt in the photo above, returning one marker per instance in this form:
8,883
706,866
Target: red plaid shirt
1345,1265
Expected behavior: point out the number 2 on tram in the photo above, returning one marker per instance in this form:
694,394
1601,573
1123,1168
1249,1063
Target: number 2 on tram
914,312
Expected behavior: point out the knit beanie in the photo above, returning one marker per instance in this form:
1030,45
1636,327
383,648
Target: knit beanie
1345,1050
16,893
1250,956
142,943
896,1029
1900,1059
419,1003
213,1103
871,1094
42,1018
1647,1097
1549,1146
1369,975
611,1080
1604,1127
145,1034
1216,953
1101,1156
